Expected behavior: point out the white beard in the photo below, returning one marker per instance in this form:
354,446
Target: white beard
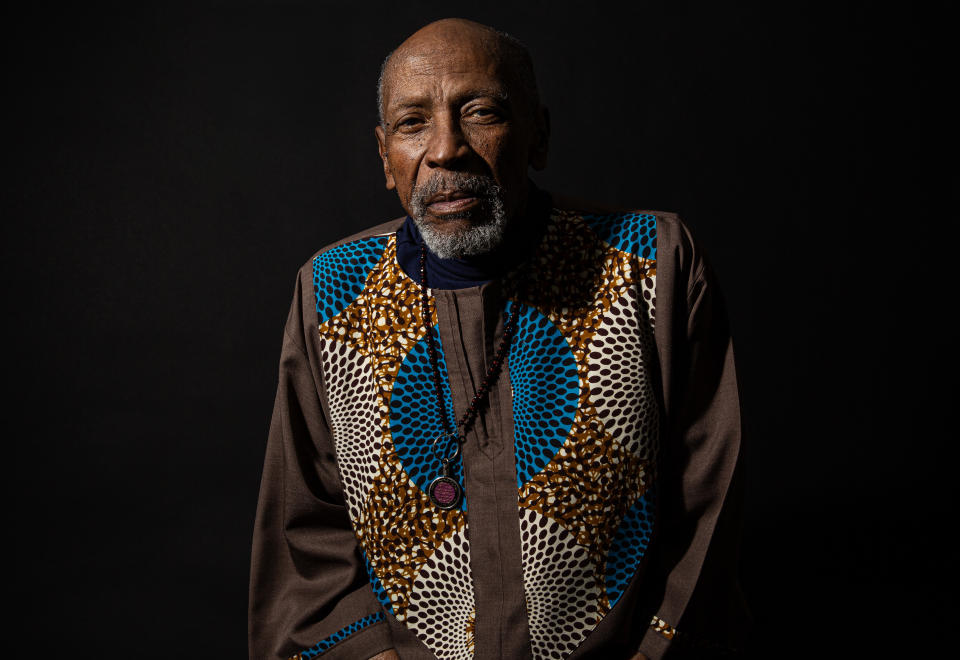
481,237
473,241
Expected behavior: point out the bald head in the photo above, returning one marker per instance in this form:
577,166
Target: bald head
456,33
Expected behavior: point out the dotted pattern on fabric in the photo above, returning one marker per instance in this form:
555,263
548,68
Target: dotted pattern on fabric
600,299
633,233
621,386
375,584
340,273
629,546
325,645
587,488
415,417
357,437
543,374
584,419
397,535
573,280
398,529
560,585
441,610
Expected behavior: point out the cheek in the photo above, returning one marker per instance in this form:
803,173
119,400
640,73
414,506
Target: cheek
508,159
403,165
406,161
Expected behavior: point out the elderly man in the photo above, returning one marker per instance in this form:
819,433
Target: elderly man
506,427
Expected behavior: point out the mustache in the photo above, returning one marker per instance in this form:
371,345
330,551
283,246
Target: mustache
474,184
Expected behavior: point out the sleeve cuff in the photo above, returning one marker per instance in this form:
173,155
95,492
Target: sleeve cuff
658,638
661,636
361,639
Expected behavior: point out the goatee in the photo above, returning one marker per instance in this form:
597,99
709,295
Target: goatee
488,219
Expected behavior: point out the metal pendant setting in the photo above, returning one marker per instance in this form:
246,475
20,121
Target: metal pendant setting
445,493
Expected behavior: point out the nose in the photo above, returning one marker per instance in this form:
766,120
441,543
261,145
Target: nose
447,147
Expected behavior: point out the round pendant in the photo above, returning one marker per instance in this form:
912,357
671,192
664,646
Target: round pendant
445,492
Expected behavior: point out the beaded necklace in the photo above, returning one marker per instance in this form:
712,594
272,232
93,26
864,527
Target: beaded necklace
445,491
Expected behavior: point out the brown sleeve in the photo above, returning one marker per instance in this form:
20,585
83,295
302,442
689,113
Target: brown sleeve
308,585
700,495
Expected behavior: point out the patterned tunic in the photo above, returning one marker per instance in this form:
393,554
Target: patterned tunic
549,553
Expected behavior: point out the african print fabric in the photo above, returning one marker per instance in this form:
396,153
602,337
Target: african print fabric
585,429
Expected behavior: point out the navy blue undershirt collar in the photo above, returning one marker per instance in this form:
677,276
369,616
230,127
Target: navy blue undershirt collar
519,243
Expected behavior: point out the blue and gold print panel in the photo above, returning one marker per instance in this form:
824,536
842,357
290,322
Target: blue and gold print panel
584,415
585,420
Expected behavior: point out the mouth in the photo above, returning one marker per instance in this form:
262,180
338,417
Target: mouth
447,202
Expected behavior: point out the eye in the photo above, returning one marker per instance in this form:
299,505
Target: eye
483,114
408,124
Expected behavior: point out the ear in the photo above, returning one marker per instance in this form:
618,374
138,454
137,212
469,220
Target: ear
541,140
382,148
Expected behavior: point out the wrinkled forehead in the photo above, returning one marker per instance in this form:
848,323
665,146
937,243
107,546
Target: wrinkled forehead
436,67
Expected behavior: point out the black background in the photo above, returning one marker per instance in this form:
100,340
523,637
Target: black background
174,166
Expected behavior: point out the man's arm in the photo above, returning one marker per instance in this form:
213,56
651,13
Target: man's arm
701,611
309,589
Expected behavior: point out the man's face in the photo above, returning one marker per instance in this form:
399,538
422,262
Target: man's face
459,135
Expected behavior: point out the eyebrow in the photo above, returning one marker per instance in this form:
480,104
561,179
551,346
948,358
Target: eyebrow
405,102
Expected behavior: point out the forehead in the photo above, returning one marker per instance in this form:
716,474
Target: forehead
443,68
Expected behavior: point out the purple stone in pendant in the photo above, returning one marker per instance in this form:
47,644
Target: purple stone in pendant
444,492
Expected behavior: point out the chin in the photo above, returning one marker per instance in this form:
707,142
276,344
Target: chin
460,237
456,221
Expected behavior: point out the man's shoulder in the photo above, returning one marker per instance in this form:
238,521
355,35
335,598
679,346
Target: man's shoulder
371,237
335,274
618,223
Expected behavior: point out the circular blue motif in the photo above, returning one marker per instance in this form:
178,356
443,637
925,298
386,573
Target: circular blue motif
415,417
340,273
629,546
546,391
635,233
